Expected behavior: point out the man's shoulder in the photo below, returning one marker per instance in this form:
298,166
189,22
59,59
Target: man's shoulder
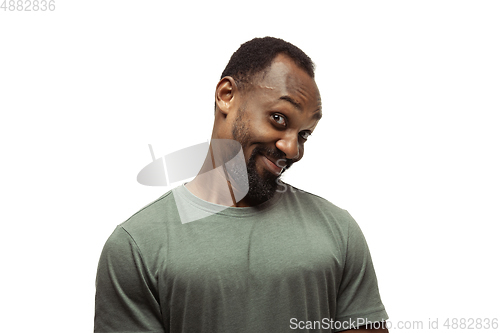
307,197
314,203
155,212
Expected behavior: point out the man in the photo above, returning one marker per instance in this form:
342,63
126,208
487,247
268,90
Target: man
264,258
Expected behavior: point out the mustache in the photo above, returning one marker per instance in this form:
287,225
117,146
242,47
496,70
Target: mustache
278,155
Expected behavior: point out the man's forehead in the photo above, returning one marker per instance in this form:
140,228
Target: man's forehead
278,73
302,86
284,77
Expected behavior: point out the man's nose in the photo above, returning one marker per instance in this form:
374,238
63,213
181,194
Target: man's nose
290,146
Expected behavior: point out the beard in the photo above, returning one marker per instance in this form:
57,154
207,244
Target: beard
260,187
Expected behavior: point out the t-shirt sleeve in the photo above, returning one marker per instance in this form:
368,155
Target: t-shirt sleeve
358,299
126,299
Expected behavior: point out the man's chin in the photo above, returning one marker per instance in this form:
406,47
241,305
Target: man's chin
263,189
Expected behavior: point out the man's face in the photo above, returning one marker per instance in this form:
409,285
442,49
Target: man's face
275,116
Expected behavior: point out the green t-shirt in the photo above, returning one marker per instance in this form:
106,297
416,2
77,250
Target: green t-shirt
294,263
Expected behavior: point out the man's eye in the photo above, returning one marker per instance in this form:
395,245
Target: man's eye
279,119
305,135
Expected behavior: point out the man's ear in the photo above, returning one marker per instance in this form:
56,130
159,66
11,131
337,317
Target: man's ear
225,94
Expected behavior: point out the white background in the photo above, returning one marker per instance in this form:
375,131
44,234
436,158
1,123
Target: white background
408,143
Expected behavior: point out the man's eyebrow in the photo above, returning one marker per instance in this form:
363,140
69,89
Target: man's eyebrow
291,100
317,115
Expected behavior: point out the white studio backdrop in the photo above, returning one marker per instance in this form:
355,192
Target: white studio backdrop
408,143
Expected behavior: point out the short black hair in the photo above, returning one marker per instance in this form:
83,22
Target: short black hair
257,54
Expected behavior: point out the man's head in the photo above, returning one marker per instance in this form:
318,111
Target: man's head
268,101
256,56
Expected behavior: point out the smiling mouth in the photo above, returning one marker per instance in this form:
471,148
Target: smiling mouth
271,166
